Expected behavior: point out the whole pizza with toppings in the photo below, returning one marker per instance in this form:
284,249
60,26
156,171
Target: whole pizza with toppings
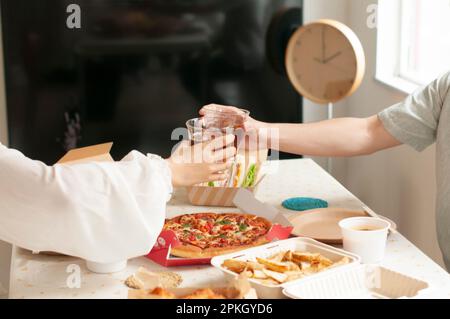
205,235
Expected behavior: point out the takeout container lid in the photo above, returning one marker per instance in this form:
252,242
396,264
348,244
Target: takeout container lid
223,196
365,281
300,244
247,203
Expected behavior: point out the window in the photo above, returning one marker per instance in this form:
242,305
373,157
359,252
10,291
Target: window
413,42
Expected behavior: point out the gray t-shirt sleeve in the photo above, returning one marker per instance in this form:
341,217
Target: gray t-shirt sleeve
415,120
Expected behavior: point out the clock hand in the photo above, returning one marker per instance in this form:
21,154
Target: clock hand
344,71
318,60
325,61
323,45
332,57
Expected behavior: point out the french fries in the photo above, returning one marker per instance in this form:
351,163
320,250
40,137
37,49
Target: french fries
259,274
277,276
254,266
283,266
273,265
234,265
278,257
292,275
293,266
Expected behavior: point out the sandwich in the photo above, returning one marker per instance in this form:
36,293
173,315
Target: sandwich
250,176
243,172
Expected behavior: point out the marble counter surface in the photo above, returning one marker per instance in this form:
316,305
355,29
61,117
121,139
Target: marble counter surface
40,276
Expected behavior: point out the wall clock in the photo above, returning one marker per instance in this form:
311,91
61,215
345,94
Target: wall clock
325,61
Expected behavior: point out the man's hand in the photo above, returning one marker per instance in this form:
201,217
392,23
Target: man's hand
257,135
243,120
203,162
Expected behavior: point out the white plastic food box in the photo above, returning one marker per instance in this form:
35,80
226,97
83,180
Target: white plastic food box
365,281
294,244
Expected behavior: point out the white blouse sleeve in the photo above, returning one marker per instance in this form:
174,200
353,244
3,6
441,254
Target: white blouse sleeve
103,211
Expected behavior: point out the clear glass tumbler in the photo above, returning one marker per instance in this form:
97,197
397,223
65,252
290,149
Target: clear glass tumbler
215,124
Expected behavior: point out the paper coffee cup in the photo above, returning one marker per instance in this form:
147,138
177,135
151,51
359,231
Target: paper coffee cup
366,237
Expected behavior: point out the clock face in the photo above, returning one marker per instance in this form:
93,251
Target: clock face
325,61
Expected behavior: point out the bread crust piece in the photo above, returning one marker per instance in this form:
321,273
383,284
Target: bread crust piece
186,250
143,278
191,251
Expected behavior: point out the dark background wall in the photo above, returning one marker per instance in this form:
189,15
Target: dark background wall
135,70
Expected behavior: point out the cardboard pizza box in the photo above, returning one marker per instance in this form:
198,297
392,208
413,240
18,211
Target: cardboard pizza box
95,153
200,195
246,202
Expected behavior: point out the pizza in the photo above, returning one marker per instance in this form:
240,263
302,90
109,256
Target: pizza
205,235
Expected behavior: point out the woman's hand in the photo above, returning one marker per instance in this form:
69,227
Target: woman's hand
203,162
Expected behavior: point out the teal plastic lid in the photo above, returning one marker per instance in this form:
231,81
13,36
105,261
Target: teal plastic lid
304,203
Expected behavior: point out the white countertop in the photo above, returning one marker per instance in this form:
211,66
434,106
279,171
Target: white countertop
39,276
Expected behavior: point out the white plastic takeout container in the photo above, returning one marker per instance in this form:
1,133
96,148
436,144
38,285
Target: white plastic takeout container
294,244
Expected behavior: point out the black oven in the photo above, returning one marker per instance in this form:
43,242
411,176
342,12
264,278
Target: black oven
131,71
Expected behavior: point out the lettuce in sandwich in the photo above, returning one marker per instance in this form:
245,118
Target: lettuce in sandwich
243,171
250,177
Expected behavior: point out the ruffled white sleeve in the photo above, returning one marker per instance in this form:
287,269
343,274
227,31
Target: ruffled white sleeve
103,212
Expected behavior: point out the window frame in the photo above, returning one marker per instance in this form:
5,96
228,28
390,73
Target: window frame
390,68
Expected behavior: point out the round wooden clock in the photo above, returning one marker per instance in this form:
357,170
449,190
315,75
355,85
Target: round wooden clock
325,61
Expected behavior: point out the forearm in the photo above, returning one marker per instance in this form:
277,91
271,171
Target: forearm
334,138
